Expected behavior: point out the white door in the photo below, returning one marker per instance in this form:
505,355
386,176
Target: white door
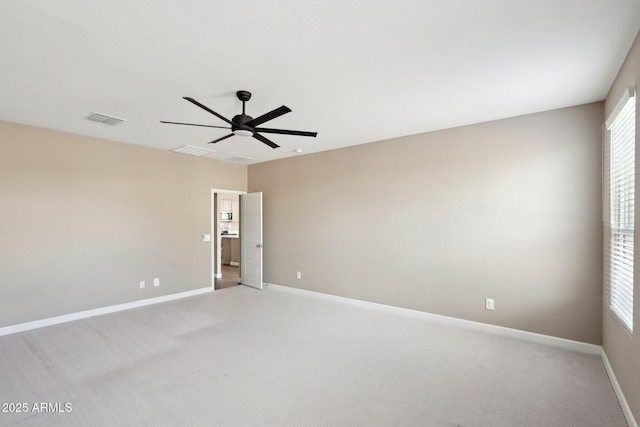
251,239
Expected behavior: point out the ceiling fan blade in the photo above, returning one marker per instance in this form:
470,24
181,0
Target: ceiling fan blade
220,139
193,124
265,140
286,132
268,116
204,107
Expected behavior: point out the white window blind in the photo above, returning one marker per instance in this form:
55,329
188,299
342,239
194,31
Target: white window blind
619,173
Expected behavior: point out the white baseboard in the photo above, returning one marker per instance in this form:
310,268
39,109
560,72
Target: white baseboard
234,264
468,324
21,327
626,409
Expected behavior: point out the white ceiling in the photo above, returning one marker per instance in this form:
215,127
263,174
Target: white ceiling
354,71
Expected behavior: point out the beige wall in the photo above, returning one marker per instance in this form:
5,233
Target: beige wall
83,220
623,348
439,221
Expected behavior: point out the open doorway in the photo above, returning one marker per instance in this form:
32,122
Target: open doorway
226,242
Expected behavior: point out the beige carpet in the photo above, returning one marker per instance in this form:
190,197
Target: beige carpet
243,357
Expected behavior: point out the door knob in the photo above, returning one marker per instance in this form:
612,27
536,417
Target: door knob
259,245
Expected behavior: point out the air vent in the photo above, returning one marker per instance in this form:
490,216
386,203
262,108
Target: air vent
103,118
193,150
240,159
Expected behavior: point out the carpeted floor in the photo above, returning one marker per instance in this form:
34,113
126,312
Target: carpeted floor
244,357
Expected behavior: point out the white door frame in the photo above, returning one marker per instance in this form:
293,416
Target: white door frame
216,240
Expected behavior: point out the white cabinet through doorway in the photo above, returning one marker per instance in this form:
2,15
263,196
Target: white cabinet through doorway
232,206
225,205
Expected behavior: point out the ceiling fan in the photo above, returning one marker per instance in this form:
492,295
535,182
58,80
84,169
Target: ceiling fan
245,125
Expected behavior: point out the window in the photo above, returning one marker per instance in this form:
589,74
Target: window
619,207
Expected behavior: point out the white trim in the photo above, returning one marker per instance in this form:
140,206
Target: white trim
567,344
234,264
626,410
21,327
628,93
219,190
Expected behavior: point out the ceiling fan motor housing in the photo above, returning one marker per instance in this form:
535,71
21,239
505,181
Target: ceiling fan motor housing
238,124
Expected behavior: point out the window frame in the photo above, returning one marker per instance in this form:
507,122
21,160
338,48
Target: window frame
619,207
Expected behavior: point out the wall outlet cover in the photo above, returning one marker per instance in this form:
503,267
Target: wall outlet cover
489,304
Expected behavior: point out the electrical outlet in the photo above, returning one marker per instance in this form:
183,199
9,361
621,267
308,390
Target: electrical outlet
156,281
489,304
298,275
141,284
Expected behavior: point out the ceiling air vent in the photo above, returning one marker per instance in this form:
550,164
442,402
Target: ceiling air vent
103,118
193,151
